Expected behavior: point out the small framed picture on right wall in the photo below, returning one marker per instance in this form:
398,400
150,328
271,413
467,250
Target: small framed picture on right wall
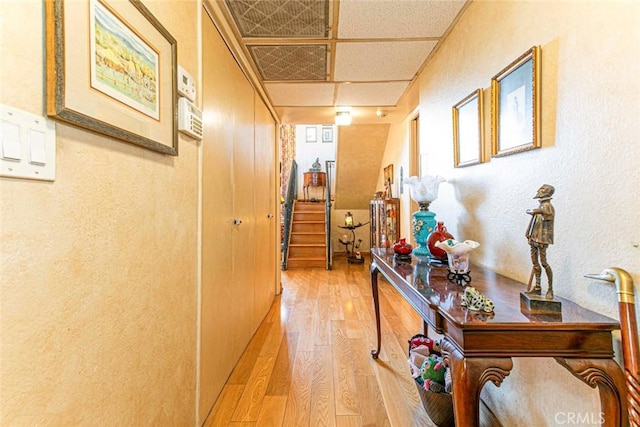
468,131
515,106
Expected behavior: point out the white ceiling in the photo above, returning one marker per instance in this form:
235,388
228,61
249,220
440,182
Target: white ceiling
311,56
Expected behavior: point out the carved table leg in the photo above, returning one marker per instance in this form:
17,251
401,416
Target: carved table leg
376,305
608,376
469,375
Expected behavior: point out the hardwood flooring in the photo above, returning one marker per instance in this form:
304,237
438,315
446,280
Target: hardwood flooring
309,363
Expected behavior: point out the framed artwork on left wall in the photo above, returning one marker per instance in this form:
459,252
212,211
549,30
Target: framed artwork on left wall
111,69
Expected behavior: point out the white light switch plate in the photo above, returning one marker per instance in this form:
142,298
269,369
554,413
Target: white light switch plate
27,145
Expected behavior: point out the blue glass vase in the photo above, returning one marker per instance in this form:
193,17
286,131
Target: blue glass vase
423,224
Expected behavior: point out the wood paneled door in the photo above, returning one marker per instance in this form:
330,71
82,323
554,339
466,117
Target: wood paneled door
239,261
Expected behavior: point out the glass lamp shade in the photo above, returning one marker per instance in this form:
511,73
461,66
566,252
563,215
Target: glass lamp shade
348,219
458,255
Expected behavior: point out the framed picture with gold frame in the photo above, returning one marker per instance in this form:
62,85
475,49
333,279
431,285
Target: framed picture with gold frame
388,174
515,106
468,130
111,69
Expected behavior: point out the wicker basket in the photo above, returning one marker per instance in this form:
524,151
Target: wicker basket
439,406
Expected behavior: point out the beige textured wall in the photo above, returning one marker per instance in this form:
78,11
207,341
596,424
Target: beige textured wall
358,157
362,233
98,269
397,153
590,154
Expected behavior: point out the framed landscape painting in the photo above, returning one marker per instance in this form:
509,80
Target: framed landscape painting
111,69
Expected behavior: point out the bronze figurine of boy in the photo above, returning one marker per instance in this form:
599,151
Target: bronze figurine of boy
540,236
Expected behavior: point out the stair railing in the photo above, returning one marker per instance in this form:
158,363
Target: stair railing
292,195
629,330
330,166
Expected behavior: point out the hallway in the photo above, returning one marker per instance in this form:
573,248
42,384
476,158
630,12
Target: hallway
309,362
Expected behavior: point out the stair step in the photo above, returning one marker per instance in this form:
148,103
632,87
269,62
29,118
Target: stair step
309,216
307,250
307,241
307,237
306,262
308,227
310,233
306,206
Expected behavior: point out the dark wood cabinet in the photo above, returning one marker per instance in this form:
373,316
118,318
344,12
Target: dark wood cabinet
313,179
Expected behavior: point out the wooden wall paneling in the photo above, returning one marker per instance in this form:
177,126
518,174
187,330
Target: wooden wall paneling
217,212
239,261
266,219
243,210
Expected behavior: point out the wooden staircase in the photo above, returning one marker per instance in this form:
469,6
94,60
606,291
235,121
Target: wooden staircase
307,240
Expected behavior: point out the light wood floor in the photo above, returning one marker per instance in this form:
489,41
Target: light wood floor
309,363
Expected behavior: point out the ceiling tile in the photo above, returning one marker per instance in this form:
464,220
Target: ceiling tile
396,18
380,61
300,94
280,18
370,94
291,62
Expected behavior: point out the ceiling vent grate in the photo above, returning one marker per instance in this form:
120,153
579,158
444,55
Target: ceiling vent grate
280,18
291,62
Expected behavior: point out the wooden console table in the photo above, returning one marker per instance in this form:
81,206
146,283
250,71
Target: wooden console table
479,347
313,179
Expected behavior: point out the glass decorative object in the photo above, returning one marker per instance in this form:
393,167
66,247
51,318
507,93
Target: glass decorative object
424,190
458,258
348,219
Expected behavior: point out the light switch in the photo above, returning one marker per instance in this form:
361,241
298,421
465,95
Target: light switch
37,152
27,145
11,149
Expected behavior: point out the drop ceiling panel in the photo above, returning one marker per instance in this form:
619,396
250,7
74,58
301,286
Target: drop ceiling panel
280,18
316,46
291,62
300,94
370,94
380,61
396,18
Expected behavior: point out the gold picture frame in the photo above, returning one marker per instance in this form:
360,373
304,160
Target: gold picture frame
111,69
515,106
468,130
388,174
